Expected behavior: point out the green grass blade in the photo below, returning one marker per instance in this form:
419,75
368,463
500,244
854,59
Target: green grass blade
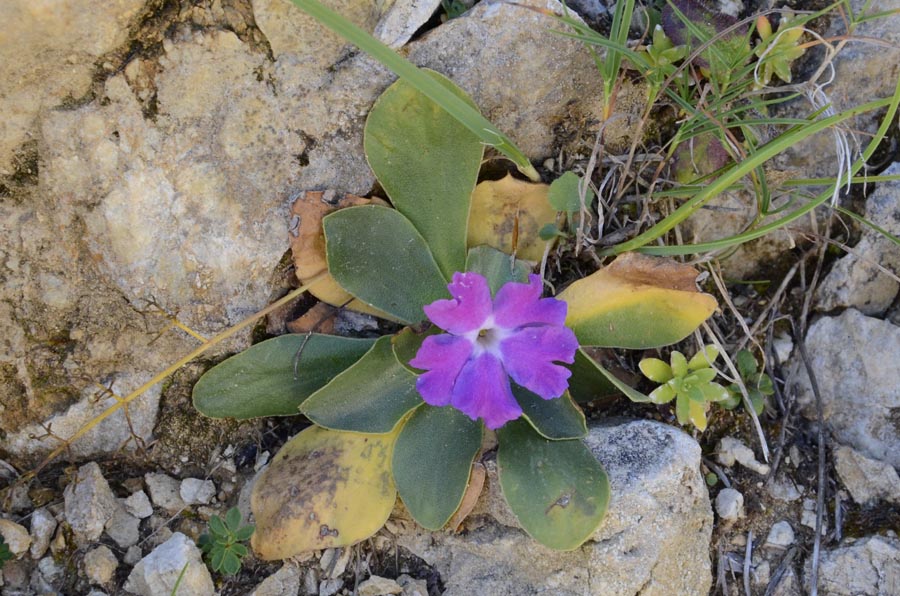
427,85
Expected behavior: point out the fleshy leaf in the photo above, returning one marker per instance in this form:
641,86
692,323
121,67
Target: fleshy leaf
406,343
678,363
655,370
378,256
626,389
427,163
557,489
554,419
704,358
260,381
323,489
588,382
564,194
432,462
636,302
497,267
371,396
508,215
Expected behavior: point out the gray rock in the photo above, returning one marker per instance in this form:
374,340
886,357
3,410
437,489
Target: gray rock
412,586
310,582
16,536
868,480
857,279
808,516
731,450
867,567
43,524
284,582
50,574
654,540
158,572
330,587
591,10
379,586
858,386
90,503
195,491
123,528
132,555
730,504
493,52
49,56
99,565
784,489
781,535
138,505
334,561
165,492
787,584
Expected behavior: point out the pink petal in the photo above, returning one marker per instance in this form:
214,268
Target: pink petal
529,354
482,391
469,308
521,304
443,356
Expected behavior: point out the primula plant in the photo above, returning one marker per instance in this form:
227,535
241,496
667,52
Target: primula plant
481,350
222,545
758,384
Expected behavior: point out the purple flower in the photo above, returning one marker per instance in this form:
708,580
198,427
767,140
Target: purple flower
518,335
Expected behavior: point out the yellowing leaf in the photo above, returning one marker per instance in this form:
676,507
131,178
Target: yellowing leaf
636,302
324,489
508,214
308,246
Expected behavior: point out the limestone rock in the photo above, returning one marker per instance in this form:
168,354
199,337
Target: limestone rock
138,505
379,586
195,491
781,535
858,386
284,582
158,572
100,565
16,537
654,540
730,504
43,524
123,528
90,503
49,56
165,492
867,567
857,279
868,480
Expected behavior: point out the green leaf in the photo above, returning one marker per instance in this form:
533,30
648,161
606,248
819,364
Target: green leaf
557,489
553,419
260,381
565,196
371,396
629,392
704,358
218,556
587,382
662,394
703,375
231,564
746,364
377,255
233,519
406,345
497,267
217,526
655,370
678,363
683,409
428,164
244,533
432,462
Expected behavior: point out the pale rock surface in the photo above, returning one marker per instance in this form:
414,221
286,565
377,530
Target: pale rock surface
730,504
865,567
43,524
857,279
412,586
138,505
165,491
16,536
90,503
158,572
868,480
196,491
379,586
99,565
781,535
123,528
48,58
731,450
858,385
284,582
654,540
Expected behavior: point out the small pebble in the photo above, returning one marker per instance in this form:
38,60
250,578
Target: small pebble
138,505
16,536
730,504
330,587
100,565
379,586
195,491
781,535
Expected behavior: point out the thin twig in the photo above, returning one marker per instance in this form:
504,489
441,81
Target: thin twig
747,554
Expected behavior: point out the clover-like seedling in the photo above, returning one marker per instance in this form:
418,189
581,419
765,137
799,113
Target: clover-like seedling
690,383
222,545
5,553
662,57
776,50
758,384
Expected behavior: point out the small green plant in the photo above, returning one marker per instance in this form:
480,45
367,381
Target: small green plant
5,553
758,384
777,50
222,544
689,382
453,9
